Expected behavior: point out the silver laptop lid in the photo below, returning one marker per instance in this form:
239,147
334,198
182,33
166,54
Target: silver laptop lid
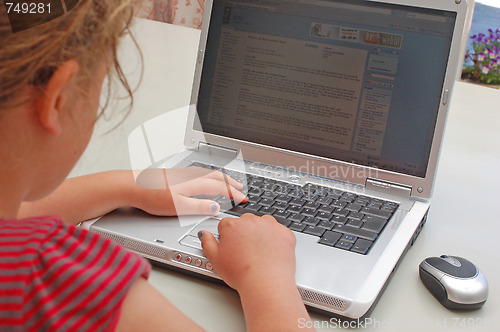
352,90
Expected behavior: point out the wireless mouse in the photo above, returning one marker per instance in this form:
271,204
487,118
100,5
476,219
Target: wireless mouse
454,281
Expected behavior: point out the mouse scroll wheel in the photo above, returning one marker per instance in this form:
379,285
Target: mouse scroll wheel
452,260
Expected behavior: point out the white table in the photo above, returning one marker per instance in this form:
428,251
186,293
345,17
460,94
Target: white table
463,219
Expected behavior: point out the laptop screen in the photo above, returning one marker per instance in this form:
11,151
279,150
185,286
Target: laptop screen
353,80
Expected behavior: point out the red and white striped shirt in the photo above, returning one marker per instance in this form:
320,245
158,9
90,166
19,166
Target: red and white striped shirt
55,277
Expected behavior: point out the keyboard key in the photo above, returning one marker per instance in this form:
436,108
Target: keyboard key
341,212
312,205
294,208
269,195
353,222
339,219
326,224
361,246
268,186
333,197
310,189
349,195
388,208
374,224
334,194
354,207
257,183
266,202
311,198
324,200
309,212
314,230
310,221
377,200
296,217
283,198
359,232
374,205
391,204
330,238
339,204
280,189
295,192
254,191
348,238
280,205
297,226
363,200
375,212
324,215
253,207
253,198
281,213
267,210
344,245
369,217
327,208
351,215
297,201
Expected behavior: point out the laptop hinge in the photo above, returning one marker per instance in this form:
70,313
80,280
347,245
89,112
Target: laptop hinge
220,151
390,188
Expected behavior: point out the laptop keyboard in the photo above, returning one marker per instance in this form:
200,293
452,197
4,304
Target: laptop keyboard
338,218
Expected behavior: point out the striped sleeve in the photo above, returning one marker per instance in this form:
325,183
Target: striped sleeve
73,279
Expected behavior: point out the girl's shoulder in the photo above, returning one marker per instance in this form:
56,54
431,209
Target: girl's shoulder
51,270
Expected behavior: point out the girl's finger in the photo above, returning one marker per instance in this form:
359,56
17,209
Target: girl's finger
209,187
192,206
224,178
209,244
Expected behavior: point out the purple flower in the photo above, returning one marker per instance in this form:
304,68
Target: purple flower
486,70
480,56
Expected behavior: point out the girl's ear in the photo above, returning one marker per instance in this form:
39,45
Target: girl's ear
56,93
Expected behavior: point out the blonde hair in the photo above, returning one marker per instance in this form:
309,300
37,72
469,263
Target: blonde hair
89,34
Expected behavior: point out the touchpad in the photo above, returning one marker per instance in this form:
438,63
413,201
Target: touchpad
191,239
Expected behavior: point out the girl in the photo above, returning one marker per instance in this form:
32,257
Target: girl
55,276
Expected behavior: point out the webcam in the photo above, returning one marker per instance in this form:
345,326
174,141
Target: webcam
27,14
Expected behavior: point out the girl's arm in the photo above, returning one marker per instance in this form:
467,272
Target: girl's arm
159,192
256,257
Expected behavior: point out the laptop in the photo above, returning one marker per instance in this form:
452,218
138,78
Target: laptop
331,113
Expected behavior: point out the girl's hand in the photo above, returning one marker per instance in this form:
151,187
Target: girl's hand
170,192
256,257
253,251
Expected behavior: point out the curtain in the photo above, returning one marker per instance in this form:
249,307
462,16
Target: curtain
187,13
